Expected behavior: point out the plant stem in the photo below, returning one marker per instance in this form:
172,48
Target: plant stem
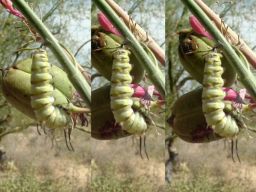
155,48
232,36
73,73
155,75
245,74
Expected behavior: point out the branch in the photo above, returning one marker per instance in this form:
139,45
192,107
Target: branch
228,32
95,75
155,48
183,81
51,11
81,46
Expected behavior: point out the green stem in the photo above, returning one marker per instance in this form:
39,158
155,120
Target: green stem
73,73
245,74
155,75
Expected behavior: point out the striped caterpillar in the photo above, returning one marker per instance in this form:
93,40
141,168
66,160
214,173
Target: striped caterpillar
42,97
213,103
121,93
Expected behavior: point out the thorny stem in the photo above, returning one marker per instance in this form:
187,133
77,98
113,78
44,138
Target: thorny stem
155,75
73,73
246,76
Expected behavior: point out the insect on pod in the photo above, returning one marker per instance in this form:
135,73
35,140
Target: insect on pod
211,113
103,47
42,92
224,124
188,120
192,50
17,87
132,121
104,125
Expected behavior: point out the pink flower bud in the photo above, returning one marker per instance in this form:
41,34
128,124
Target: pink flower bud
231,94
146,93
198,27
8,5
138,90
107,25
234,96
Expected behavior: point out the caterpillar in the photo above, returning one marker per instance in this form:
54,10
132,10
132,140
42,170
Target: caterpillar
121,95
224,124
42,96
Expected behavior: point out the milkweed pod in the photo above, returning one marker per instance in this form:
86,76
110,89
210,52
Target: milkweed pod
188,120
192,51
59,77
104,125
103,47
16,87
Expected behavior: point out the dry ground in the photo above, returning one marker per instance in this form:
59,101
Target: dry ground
32,155
113,166
209,167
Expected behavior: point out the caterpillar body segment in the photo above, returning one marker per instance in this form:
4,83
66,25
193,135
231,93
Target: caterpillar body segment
42,94
188,120
107,128
121,95
59,77
213,98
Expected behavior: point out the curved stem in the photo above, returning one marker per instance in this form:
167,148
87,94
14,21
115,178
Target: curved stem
155,75
246,75
73,73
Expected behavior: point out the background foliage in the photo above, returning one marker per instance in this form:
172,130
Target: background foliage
208,167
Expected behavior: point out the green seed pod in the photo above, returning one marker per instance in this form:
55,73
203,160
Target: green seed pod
60,78
103,47
16,87
192,51
104,125
188,120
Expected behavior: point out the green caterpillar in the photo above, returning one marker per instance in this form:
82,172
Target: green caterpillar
213,103
42,94
53,116
121,93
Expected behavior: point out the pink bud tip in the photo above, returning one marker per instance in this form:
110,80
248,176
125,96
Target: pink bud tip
138,90
8,5
107,25
231,94
235,96
198,27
